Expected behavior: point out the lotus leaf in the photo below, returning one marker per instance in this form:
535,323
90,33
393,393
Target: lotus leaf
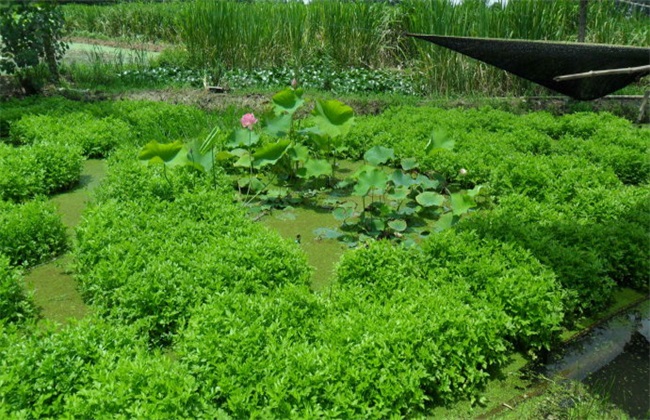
429,199
160,152
378,155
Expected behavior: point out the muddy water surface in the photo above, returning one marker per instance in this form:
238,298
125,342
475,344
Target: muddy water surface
322,254
55,290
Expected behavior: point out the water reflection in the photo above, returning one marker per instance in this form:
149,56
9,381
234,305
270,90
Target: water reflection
613,360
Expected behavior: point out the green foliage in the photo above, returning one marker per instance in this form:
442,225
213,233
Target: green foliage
155,152
140,20
292,157
291,353
328,77
31,233
607,141
549,178
529,154
559,239
15,109
16,305
96,137
401,201
166,256
504,277
351,46
158,120
30,33
40,369
615,224
193,244
333,118
130,180
99,127
144,385
42,168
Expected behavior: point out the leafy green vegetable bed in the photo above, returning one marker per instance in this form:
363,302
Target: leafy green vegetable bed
201,312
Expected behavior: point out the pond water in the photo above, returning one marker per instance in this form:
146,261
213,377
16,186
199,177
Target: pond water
613,360
322,254
55,290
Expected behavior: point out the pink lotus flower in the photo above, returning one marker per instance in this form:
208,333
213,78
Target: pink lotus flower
248,121
294,83
462,172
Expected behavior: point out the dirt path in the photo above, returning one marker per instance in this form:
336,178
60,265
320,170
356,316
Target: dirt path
55,290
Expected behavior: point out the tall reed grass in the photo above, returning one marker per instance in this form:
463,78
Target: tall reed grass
339,33
154,22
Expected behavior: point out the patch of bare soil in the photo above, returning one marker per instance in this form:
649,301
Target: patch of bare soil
256,102
201,98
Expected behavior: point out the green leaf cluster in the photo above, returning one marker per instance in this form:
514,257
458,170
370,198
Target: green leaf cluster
194,243
97,137
67,372
282,152
593,243
484,136
31,35
401,200
401,331
348,353
563,186
145,121
16,304
31,232
493,274
39,169
158,120
15,109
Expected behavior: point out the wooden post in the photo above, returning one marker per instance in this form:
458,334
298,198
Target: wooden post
582,21
643,109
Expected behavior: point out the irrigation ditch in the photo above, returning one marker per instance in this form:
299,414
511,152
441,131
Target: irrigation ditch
612,358
609,355
54,287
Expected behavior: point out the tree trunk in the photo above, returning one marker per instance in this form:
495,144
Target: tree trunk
50,58
582,22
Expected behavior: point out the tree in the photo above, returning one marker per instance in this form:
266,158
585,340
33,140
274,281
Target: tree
31,37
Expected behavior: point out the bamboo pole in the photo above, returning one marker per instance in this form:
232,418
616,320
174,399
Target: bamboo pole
596,73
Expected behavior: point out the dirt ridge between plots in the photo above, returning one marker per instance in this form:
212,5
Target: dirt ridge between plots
626,106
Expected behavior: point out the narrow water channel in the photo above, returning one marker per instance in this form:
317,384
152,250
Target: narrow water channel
55,290
613,360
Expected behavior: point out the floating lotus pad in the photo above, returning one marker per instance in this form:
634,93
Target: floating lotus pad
542,61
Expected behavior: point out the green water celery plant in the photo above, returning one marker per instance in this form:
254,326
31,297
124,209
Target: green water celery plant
31,232
16,304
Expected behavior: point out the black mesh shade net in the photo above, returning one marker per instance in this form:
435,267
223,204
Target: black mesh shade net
542,61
